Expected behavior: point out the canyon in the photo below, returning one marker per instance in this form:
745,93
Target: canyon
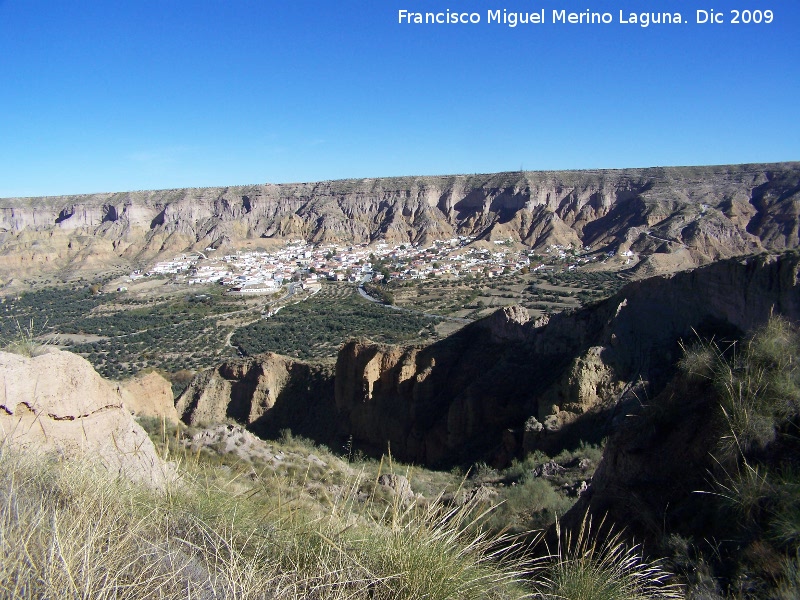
717,259
506,384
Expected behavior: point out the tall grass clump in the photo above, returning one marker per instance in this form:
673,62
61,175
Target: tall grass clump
25,341
589,566
754,476
435,551
68,530
757,382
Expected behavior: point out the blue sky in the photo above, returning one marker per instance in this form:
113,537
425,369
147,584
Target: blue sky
115,95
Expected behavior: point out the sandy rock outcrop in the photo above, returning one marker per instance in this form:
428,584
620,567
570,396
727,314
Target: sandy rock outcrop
239,390
149,395
504,324
436,403
236,440
56,402
587,384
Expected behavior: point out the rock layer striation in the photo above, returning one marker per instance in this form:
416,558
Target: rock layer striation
693,214
56,402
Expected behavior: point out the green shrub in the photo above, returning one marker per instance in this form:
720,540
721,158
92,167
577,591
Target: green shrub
529,505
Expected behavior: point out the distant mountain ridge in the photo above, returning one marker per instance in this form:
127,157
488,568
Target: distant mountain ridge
692,214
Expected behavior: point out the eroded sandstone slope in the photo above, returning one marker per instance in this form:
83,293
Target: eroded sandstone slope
267,392
696,214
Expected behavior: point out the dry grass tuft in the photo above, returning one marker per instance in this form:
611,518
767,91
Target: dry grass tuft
67,530
25,342
586,567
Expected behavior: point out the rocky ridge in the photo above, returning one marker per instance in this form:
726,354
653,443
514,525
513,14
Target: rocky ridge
694,214
267,392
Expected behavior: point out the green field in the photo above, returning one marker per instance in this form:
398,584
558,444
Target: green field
185,329
121,334
475,297
315,328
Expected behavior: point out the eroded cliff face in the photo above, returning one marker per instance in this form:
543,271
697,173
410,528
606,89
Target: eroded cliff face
239,390
507,383
474,393
435,404
267,392
149,395
704,213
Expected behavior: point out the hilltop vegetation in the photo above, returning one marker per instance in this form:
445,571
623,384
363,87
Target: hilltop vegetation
122,335
187,330
471,297
184,329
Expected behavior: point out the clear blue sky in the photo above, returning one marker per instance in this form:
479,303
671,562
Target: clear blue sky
123,95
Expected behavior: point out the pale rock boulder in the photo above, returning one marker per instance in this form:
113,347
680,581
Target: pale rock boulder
506,324
587,384
398,485
57,403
